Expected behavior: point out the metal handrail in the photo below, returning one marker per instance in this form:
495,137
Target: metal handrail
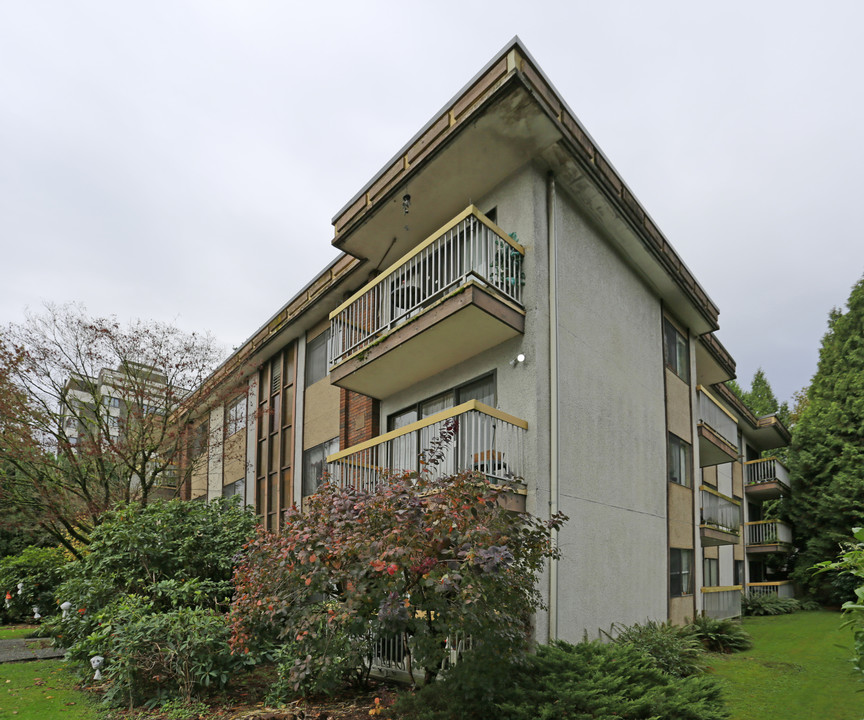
469,247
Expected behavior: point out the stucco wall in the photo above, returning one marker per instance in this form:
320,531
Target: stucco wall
613,452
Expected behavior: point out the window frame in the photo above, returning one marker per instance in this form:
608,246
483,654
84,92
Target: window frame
310,485
674,343
680,579
674,446
314,373
710,572
236,416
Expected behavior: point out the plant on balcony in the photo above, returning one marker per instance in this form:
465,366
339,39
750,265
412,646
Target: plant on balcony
420,563
505,267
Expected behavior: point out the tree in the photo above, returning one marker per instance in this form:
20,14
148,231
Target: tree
87,414
760,398
827,453
418,562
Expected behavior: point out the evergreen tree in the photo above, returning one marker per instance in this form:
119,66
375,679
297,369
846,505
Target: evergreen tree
827,453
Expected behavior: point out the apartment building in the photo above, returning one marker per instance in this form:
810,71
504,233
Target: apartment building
498,275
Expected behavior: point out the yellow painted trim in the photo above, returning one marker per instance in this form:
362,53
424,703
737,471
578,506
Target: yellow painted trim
770,584
717,588
701,389
764,522
709,489
426,422
467,212
753,462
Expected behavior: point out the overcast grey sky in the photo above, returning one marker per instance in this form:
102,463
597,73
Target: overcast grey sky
182,160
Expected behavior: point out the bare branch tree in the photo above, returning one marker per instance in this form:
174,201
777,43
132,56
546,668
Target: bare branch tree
89,414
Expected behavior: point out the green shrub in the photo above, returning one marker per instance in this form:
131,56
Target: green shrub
150,596
591,680
40,570
418,558
151,655
674,649
722,636
756,605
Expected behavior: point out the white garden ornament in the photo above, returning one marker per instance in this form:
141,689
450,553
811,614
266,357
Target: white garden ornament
96,662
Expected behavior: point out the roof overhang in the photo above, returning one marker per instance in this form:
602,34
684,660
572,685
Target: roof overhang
508,116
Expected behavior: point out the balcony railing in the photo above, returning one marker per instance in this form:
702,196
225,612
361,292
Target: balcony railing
469,247
484,439
764,471
768,532
720,512
782,588
722,602
711,413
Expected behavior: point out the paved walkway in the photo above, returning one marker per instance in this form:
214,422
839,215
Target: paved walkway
20,650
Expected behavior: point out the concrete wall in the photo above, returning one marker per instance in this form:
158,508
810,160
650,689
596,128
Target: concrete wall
612,429
613,455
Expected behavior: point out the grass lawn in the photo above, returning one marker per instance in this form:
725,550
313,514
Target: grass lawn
16,631
40,690
798,668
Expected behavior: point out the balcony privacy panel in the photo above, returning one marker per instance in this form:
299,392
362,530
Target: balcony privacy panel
720,512
710,413
470,248
482,441
721,604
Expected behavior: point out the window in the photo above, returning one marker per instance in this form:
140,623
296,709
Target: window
738,573
199,441
236,488
236,416
315,464
113,422
111,402
676,351
679,461
680,572
711,570
316,358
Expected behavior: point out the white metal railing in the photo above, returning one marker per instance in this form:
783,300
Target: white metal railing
782,588
721,602
719,511
712,413
469,247
766,471
768,532
484,439
391,657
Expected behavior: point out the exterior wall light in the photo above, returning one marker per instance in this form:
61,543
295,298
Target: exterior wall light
36,615
66,607
518,360
406,203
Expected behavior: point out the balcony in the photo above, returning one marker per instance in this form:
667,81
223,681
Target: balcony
768,536
718,431
722,602
720,518
485,440
781,588
455,295
766,479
